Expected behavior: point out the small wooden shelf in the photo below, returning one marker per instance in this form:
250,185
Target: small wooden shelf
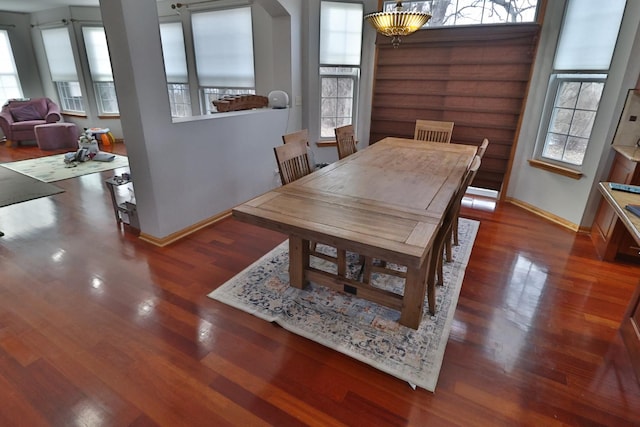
125,212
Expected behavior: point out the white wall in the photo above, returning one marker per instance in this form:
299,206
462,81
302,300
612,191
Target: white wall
570,199
183,171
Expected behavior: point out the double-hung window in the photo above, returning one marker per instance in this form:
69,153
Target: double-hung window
175,67
340,53
583,56
95,41
62,67
223,44
9,80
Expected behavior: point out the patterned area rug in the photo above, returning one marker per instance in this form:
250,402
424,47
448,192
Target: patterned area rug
16,188
53,168
358,328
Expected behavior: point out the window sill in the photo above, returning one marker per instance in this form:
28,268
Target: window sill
74,114
115,116
326,143
560,170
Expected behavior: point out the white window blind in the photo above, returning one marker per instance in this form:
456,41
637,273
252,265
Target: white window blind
175,60
340,33
589,33
223,44
95,41
57,46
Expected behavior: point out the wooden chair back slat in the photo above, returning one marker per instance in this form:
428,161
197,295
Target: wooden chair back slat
345,141
293,161
434,131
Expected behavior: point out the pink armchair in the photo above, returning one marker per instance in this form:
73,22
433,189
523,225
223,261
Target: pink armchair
18,118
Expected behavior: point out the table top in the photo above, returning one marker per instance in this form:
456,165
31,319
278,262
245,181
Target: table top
618,200
388,199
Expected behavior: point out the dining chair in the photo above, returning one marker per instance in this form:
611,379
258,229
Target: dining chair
434,131
435,274
483,147
481,150
301,135
294,163
453,213
345,141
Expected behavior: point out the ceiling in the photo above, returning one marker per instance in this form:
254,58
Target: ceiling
31,6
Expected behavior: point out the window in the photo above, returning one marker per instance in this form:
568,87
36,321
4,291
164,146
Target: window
340,52
175,67
224,63
62,66
472,12
95,42
583,56
337,98
574,111
9,80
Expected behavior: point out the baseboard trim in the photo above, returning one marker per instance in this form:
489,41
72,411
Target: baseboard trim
167,240
548,215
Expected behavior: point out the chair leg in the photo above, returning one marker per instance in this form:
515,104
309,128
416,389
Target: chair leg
431,279
455,232
447,247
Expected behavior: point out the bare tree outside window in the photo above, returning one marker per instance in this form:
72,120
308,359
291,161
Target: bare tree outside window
472,12
572,119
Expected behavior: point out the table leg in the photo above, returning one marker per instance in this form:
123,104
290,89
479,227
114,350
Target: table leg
414,293
342,262
298,261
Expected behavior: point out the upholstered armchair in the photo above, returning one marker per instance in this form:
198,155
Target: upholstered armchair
18,118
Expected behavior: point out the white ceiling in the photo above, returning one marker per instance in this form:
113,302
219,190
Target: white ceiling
30,6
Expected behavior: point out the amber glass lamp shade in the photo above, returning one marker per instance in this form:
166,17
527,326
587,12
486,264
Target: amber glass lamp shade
397,22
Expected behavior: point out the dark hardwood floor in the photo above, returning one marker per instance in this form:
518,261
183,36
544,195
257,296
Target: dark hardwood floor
98,328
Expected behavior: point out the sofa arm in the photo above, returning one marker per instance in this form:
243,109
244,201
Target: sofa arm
53,117
53,112
6,119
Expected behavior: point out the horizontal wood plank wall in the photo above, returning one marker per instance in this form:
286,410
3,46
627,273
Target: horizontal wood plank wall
474,76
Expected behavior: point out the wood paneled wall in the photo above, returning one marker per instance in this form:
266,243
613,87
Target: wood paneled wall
474,76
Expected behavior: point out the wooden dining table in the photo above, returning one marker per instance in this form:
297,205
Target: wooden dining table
386,201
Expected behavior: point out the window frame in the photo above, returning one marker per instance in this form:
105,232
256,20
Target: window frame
564,60
14,74
355,78
106,85
178,88
65,78
338,58
68,102
553,91
221,84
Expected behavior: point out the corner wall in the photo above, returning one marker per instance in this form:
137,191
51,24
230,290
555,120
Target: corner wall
574,200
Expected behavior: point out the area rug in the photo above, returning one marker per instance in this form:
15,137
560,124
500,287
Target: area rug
358,328
53,168
16,187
